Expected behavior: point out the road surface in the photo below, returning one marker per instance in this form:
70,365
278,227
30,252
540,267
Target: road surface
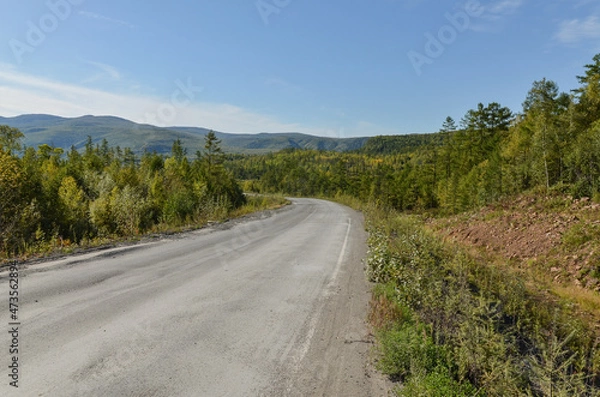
271,306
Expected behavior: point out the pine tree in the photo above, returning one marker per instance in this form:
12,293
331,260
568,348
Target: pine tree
10,139
213,154
587,110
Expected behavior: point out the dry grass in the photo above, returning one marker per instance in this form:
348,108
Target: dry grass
58,247
502,328
587,302
385,310
552,243
257,203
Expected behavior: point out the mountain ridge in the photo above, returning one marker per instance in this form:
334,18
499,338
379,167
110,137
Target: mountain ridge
67,132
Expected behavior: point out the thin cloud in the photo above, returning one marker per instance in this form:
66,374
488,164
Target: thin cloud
31,94
105,72
99,17
576,30
505,7
283,84
495,14
583,3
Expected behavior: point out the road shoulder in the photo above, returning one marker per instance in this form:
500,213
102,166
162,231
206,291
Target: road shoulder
340,358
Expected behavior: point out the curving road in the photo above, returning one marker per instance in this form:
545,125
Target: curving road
271,306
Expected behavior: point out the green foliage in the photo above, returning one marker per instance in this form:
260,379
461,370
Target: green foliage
553,144
587,108
581,234
130,209
464,327
74,207
472,326
408,350
179,207
436,384
218,183
101,214
66,132
539,141
52,200
11,194
10,139
584,162
454,169
397,144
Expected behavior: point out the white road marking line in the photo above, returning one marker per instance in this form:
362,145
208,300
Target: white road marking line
341,256
314,319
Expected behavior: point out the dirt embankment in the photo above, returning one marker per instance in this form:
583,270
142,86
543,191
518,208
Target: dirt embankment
557,237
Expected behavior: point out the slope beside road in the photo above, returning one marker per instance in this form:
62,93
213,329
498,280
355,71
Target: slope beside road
269,307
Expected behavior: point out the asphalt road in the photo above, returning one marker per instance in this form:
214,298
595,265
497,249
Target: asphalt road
270,306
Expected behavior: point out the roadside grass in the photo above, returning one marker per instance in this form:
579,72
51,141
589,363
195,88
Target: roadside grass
580,234
568,270
588,301
455,324
407,351
349,201
57,246
256,203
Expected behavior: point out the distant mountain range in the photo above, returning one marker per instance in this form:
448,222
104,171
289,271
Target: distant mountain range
66,132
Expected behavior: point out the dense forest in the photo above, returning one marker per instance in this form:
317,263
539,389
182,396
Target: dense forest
553,143
49,197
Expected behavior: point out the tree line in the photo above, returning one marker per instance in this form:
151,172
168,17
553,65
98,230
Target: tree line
552,144
49,197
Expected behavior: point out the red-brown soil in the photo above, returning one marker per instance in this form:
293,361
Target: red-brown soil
555,235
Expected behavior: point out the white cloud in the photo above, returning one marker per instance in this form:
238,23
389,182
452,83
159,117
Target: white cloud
99,17
105,72
282,84
495,13
31,94
575,30
504,7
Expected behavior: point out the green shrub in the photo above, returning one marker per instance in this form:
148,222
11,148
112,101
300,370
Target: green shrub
468,322
407,350
436,384
178,207
580,234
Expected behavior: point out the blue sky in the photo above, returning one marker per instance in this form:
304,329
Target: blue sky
337,68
